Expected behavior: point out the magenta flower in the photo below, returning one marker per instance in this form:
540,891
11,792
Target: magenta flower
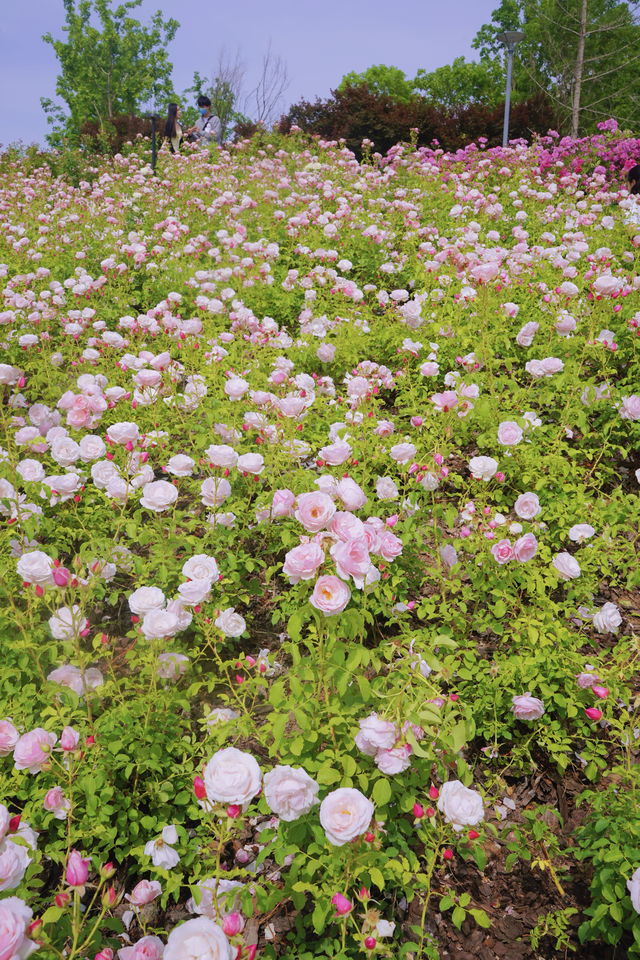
77,869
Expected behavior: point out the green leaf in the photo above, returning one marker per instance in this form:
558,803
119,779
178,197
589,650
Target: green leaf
381,792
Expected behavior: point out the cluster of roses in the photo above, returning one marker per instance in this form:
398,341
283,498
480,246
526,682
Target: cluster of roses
351,543
386,743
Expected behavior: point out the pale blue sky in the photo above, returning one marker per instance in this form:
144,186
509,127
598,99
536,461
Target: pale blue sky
320,40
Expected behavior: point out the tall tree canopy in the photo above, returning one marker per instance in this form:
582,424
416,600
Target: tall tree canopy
110,64
585,54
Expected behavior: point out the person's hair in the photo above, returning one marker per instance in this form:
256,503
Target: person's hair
634,178
172,117
204,101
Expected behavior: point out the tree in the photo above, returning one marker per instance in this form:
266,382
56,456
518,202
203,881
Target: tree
268,92
585,54
462,83
380,79
110,63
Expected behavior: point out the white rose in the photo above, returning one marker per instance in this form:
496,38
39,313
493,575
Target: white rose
92,447
158,496
66,624
375,734
250,463
214,899
232,777
30,470
483,468
102,472
194,592
221,455
221,715
386,489
201,567
607,619
35,567
567,566
181,465
633,886
231,623
236,388
159,623
402,452
461,807
123,432
65,451
214,491
290,792
345,814
145,599
198,939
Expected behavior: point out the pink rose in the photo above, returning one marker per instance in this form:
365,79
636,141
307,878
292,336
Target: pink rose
351,494
335,453
330,595
527,506
503,551
509,433
527,333
388,546
236,388
526,707
301,563
69,739
147,948
144,892
352,560
283,504
394,761
33,749
402,452
15,915
54,801
221,455
8,737
326,352
345,814
290,792
347,527
214,491
77,869
630,407
250,463
375,734
14,861
315,511
525,548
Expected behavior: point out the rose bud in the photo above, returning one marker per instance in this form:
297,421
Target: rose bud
434,793
199,788
593,713
342,905
233,811
447,854
418,811
77,869
370,943
232,924
599,691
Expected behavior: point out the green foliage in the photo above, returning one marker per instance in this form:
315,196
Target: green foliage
463,83
110,69
380,79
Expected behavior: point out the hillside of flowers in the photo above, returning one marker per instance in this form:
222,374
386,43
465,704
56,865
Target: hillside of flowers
319,503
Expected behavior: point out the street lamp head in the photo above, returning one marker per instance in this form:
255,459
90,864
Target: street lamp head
511,38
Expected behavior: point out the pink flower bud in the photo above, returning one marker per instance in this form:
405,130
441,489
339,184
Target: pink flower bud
233,811
447,854
61,899
77,869
232,924
69,739
438,458
434,793
199,788
370,943
106,954
242,856
599,691
593,713
418,811
61,576
342,905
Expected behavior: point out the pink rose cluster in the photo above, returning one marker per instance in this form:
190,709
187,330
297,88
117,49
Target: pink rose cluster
386,743
351,544
524,549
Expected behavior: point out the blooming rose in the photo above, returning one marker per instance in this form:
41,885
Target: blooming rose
158,495
345,814
351,494
67,623
567,566
607,619
394,761
525,548
389,546
35,567
8,737
232,776
527,333
326,352
630,407
65,451
330,595
215,899
527,506
375,734
14,860
69,739
30,470
236,388
301,563
461,807
509,433
580,532
160,850
483,468
283,503
214,491
526,707
386,489
402,452
352,560
159,623
503,551
147,948
171,665
250,463
315,511
231,623
290,792
198,939
201,567
194,592
92,447
633,886
15,915
144,892
145,599
222,455
54,801
335,453
33,749
123,433
180,466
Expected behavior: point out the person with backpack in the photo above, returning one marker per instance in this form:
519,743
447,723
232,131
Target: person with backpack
173,128
207,129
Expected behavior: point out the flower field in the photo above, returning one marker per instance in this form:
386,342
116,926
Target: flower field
319,486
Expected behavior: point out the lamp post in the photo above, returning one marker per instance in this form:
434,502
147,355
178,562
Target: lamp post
511,39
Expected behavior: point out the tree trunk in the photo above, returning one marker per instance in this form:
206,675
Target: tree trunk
579,67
